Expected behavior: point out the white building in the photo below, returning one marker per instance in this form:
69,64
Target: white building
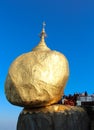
82,98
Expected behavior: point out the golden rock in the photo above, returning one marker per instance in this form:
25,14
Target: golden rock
37,78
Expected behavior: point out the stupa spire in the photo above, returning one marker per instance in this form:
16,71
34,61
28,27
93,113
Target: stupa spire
42,44
43,33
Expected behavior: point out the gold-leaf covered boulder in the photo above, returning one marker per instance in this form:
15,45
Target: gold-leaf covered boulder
37,78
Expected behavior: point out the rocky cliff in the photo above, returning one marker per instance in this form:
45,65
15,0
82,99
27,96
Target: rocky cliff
55,117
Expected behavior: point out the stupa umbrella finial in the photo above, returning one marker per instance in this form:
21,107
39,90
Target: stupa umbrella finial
44,24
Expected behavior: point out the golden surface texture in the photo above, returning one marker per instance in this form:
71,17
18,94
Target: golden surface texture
37,78
53,109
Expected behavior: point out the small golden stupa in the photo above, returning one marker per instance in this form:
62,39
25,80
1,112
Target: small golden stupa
37,78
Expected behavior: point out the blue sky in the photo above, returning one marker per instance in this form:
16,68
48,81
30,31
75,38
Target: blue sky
70,30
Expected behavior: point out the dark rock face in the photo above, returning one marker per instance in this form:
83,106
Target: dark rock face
71,118
90,112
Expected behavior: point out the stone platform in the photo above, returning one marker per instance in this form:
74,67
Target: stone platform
54,117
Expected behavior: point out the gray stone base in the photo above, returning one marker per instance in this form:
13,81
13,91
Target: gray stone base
55,117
